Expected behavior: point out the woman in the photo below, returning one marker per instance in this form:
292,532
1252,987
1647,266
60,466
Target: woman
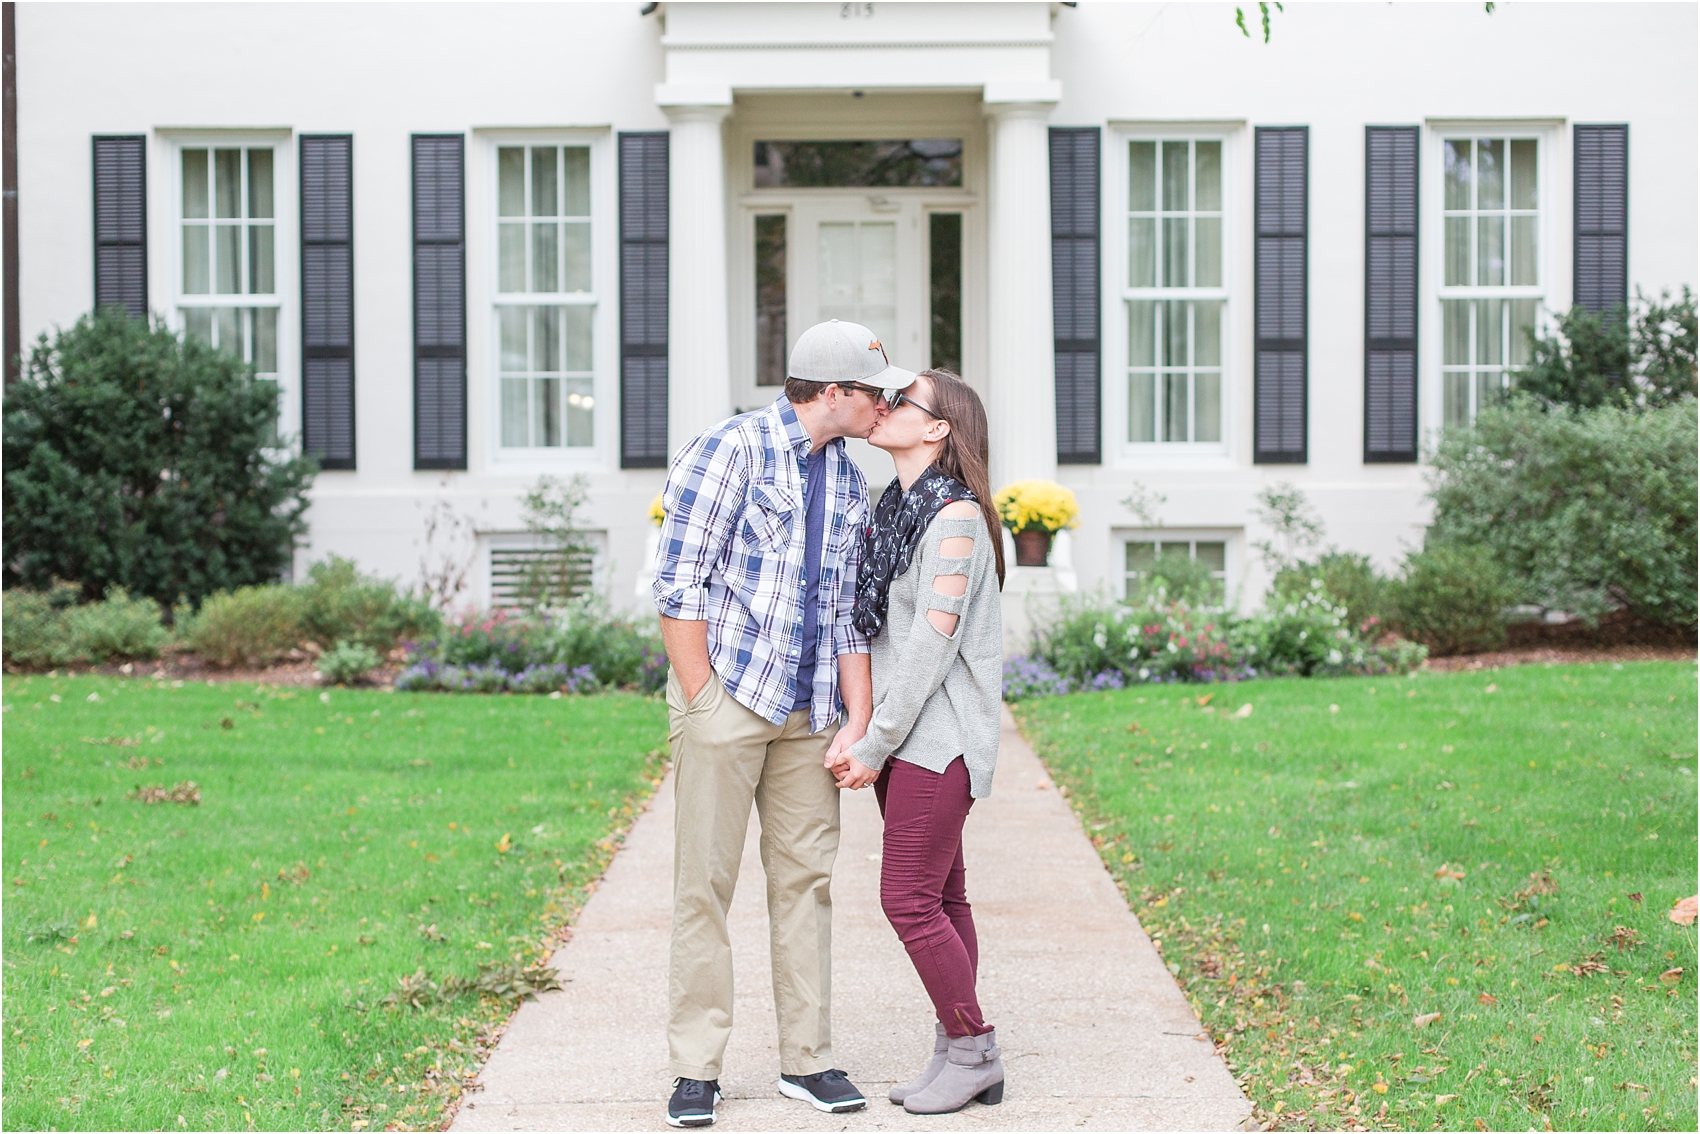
927,597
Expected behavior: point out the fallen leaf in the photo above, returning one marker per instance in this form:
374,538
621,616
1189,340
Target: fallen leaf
1243,711
1636,897
1204,700
1378,1088
1425,1019
1671,976
1480,1125
1685,911
1487,998
504,845
1491,689
186,792
1447,870
1334,708
1442,1100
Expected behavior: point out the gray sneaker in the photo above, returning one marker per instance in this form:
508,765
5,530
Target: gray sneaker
693,1102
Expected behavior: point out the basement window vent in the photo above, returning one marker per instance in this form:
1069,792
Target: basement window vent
520,569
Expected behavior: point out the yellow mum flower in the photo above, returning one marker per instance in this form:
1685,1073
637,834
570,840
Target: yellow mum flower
1029,505
657,511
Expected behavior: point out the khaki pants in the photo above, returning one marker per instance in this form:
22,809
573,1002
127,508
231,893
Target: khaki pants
725,757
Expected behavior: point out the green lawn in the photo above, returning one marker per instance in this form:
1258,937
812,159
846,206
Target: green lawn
1354,855
220,966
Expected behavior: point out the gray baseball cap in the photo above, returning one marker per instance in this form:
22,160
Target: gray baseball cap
848,354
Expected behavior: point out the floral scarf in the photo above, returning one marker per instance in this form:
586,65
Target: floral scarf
889,542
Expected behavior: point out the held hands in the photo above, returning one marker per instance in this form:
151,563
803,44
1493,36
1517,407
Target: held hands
850,772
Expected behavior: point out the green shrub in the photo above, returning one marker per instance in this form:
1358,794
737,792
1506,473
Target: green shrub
1452,598
139,459
346,663
1639,357
1175,576
1586,510
340,603
32,623
1096,642
584,644
1312,634
51,628
248,626
1350,580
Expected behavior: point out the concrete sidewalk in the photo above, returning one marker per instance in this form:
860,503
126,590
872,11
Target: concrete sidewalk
1094,1031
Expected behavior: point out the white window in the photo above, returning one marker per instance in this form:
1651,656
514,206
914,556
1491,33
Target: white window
1491,285
1176,295
1142,555
227,293
545,297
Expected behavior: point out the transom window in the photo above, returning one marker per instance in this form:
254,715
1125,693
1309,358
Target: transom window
1492,280
1175,296
545,297
1145,556
228,289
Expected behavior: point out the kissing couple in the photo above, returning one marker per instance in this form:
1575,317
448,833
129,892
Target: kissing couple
818,645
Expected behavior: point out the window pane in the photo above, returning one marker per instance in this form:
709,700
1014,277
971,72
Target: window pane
1175,351
1490,388
915,163
510,257
260,183
1176,198
194,183
1522,322
1208,270
578,320
1490,173
575,257
1174,253
1212,554
196,276
1455,332
546,406
1457,173
1490,251
227,336
1207,333
1490,327
515,423
944,282
546,339
879,270
227,254
1456,386
1207,415
1141,407
576,181
1142,252
1457,251
1141,556
197,323
1142,177
1523,269
1209,156
580,416
262,278
1174,407
265,340
510,181
227,182
544,190
545,269
514,356
1524,194
1141,343
771,301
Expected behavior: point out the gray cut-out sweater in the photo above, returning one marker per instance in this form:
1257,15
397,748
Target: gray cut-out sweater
937,698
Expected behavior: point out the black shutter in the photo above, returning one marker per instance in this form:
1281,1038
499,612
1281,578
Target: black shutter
121,223
1074,293
327,298
1602,217
1279,379
1390,294
439,301
643,300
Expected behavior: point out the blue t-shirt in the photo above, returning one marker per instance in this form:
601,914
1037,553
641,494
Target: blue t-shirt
814,527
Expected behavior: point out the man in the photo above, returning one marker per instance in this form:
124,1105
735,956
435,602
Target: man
755,579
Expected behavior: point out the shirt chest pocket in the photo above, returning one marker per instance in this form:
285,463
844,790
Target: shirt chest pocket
849,529
766,523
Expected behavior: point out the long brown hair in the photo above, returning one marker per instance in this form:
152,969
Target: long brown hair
966,452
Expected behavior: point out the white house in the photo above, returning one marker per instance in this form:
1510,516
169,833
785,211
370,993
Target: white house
476,244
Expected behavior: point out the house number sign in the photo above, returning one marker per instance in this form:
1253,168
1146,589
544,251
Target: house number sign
855,11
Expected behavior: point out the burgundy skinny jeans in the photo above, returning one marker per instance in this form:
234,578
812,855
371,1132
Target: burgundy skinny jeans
923,889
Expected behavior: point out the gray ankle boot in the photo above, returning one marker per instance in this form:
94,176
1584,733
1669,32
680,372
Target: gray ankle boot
973,1072
941,1044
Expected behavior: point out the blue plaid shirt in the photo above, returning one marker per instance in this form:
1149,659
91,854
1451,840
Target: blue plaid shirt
731,554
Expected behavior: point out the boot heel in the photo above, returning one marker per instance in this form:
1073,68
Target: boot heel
992,1095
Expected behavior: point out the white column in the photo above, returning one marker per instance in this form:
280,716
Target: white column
699,387
1021,371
